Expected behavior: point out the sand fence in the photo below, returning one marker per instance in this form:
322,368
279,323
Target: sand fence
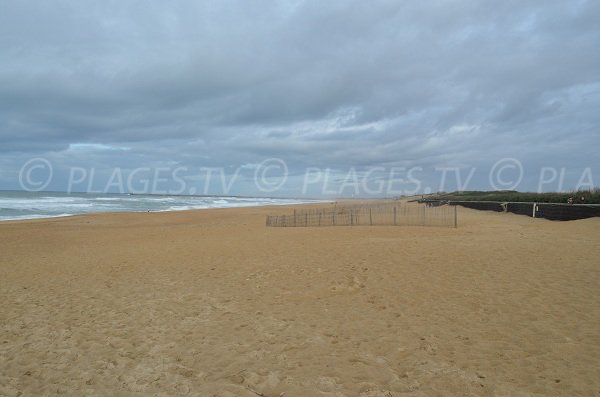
391,214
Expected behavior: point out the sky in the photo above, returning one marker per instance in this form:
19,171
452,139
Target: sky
299,98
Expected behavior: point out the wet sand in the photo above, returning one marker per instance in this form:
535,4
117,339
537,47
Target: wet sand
213,303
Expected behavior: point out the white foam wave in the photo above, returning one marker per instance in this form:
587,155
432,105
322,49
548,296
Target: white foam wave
17,205
25,217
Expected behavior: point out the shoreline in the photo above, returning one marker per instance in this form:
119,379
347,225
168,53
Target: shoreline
59,216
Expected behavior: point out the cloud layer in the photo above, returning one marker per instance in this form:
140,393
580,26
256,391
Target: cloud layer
318,84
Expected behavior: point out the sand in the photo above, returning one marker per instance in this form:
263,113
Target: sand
213,303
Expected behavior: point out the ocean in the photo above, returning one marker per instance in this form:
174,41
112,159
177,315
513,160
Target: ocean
15,205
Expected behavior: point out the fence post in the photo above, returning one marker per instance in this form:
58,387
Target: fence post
533,214
423,216
306,219
455,218
320,212
395,222
334,218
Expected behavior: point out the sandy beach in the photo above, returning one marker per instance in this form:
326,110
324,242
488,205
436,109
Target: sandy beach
213,303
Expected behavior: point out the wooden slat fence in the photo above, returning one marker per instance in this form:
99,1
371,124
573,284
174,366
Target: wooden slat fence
368,215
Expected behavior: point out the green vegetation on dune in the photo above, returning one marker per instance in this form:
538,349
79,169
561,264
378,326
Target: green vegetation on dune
590,196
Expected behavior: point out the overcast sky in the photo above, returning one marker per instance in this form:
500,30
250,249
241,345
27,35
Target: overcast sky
338,85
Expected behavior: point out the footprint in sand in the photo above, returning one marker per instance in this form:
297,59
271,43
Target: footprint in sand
350,284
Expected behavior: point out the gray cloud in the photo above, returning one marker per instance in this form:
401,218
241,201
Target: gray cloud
318,84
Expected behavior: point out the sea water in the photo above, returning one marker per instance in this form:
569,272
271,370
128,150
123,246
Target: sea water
16,205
